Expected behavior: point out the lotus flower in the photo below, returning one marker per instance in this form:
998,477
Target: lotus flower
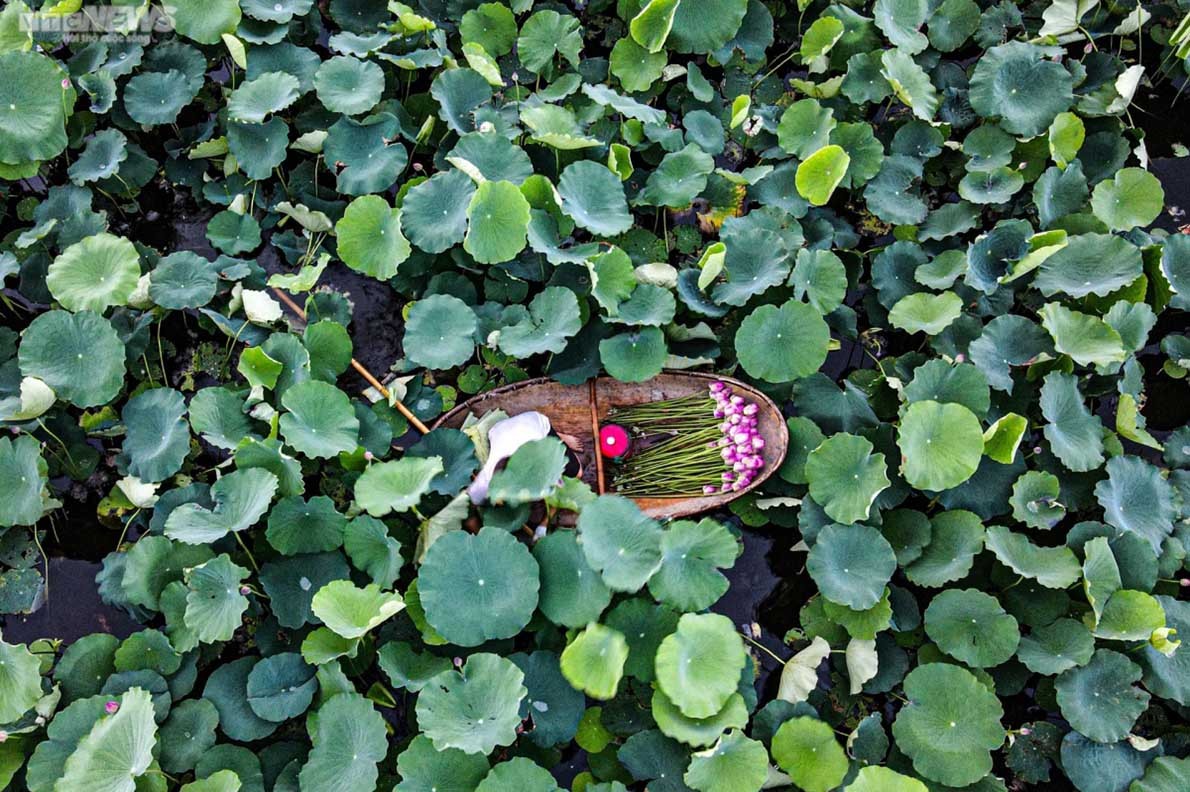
504,438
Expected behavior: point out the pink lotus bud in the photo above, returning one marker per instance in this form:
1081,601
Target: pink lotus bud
751,409
369,456
112,707
245,591
709,489
65,83
959,358
3,736
757,442
458,661
613,441
1184,582
737,400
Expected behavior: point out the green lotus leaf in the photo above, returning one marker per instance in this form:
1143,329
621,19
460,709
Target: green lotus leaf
820,278
1165,774
424,768
910,83
635,67
941,445
926,313
353,612
155,98
115,751
1035,500
497,222
459,93
782,344
555,708
991,187
699,665
1100,699
348,85
678,179
553,318
881,779
594,197
256,99
545,35
214,603
372,551
395,486
494,573
319,421
963,383
532,472
492,26
652,24
91,275
518,775
1007,341
557,127
950,726
624,105
845,477
298,526
1056,647
1133,197
241,498
349,741
593,661
1101,574
187,734
1165,675
225,780
1074,434
634,356
23,479
692,553
823,34
572,592
205,21
276,10
1136,499
157,436
1093,765
291,584
258,148
862,625
493,156
698,732
1130,616
1017,84
226,688
84,666
34,108
366,152
972,627
154,562
370,238
805,127
806,749
440,332
217,415
1052,567
956,537
901,22
20,681
820,173
734,764
435,210
475,708
102,157
620,542
851,564
1090,264
182,280
706,27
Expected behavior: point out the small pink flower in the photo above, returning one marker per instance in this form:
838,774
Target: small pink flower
369,456
65,83
613,441
1185,582
3,736
245,591
112,707
709,489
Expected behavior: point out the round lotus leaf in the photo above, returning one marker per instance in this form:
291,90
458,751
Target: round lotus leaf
734,764
1090,264
34,107
634,66
226,688
644,624
475,708
182,280
845,477
497,222
367,154
258,148
98,272
20,681
941,445
187,734
370,238
1056,647
281,687
1100,699
319,421
518,775
972,627
594,661
620,542
492,26
1165,774
491,571
699,665
1101,766
348,85
546,34
950,725
423,767
1131,198
157,436
79,355
706,27
367,543
913,86
217,415
350,740
234,233
1137,499
851,564
678,179
572,592
23,479
782,344
692,553
256,99
594,197
1017,84
155,98
440,332
435,211
634,356
806,749
214,603
352,612
881,779
698,732
494,157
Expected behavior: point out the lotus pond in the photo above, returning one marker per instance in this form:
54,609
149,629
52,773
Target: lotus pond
946,238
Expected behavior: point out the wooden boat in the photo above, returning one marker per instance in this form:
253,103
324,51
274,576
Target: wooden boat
577,411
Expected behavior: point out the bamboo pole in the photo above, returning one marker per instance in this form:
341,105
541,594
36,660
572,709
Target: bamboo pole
361,370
